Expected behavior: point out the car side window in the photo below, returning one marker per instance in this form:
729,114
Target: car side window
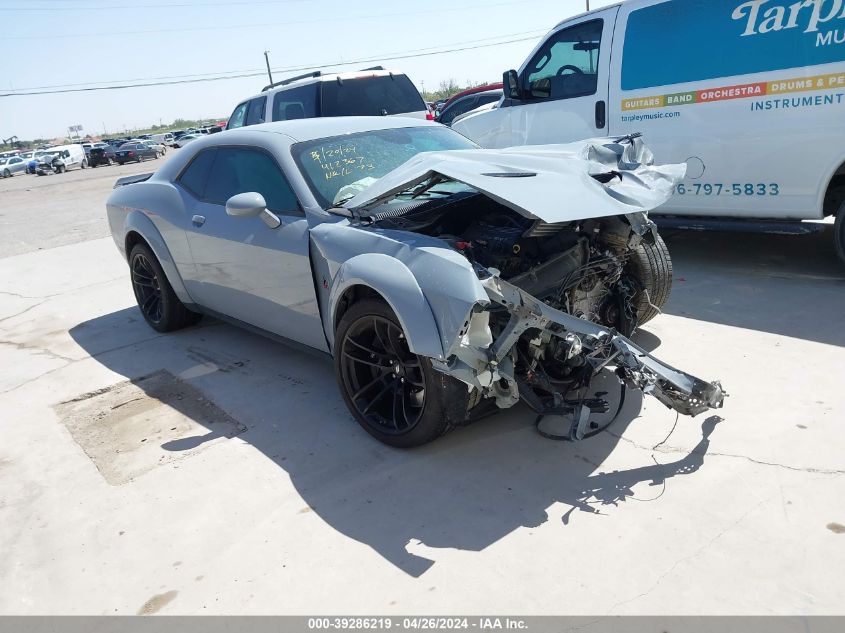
296,103
239,169
255,112
238,116
195,175
566,65
460,106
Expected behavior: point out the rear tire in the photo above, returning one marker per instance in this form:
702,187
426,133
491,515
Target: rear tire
394,394
156,299
651,265
839,233
84,164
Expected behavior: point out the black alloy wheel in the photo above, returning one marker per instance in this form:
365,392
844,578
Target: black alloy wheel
147,288
159,304
383,379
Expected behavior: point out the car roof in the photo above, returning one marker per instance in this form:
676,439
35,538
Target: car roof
312,79
470,91
320,127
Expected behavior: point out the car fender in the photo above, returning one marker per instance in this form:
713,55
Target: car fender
137,222
394,281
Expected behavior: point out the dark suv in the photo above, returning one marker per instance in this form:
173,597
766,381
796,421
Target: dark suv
101,154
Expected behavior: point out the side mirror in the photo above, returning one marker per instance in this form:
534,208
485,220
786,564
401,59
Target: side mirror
510,82
250,205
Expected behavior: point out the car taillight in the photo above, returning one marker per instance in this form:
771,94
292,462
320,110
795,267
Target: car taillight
130,153
429,116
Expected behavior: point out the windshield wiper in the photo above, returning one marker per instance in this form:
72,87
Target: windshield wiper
424,188
417,194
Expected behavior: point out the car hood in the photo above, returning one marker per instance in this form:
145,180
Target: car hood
554,183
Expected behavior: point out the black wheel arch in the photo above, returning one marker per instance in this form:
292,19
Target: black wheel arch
165,260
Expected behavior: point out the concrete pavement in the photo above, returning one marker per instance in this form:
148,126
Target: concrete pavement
244,486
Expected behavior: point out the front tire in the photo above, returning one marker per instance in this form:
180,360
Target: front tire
651,266
159,304
394,394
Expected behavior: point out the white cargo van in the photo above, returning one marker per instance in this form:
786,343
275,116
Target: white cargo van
163,139
63,157
749,93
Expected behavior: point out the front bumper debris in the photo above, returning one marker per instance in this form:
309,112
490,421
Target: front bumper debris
486,367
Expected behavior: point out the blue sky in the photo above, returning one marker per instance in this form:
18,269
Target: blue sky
85,41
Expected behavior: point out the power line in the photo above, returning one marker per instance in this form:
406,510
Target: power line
242,71
259,73
201,5
226,27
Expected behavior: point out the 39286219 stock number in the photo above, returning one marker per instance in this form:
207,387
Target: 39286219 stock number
723,189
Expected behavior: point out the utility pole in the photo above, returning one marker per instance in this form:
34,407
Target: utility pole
267,59
588,5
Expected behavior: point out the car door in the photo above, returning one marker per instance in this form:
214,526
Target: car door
564,85
242,268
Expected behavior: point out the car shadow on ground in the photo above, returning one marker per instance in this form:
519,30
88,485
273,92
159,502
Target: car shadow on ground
782,284
465,491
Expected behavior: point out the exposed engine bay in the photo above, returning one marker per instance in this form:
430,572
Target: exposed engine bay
563,297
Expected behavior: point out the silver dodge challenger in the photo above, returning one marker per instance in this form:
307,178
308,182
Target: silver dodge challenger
446,281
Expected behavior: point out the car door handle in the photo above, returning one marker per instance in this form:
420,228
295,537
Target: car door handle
198,220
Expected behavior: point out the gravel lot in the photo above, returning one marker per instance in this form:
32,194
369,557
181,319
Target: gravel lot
210,471
70,206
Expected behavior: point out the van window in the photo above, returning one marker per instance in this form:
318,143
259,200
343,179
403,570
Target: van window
370,96
296,103
238,116
679,42
255,112
567,64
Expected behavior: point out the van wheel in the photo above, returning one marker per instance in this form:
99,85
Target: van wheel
394,394
839,232
84,163
651,266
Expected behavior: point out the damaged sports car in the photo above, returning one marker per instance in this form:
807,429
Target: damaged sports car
446,281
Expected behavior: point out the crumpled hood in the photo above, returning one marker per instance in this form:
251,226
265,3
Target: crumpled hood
553,183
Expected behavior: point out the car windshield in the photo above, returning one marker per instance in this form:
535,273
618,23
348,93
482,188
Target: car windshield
337,168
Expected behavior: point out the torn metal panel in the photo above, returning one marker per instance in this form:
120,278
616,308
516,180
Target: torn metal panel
596,178
599,346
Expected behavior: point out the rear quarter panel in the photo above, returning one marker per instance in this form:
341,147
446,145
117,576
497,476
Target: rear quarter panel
154,209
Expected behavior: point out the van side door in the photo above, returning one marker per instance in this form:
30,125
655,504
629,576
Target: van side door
564,84
752,100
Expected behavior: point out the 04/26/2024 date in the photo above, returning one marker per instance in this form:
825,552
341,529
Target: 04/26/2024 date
727,189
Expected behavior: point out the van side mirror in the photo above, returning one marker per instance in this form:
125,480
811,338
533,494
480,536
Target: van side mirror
510,83
250,205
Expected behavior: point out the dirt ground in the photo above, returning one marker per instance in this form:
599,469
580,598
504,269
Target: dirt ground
41,212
